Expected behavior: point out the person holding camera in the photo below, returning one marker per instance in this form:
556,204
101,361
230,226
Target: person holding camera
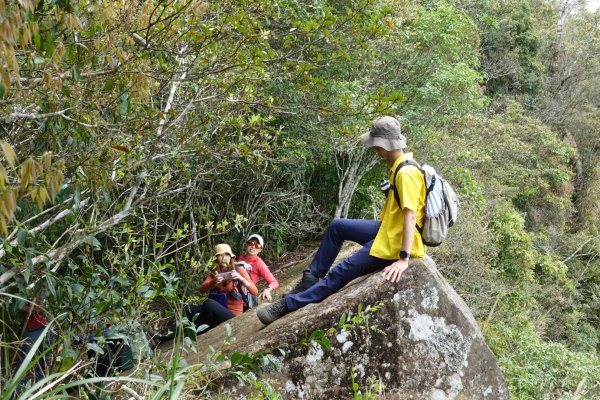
226,283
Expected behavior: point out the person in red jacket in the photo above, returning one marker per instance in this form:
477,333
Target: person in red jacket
258,268
35,324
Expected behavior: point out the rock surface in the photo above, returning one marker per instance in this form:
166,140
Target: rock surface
422,342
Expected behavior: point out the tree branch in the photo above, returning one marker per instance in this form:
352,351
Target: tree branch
56,256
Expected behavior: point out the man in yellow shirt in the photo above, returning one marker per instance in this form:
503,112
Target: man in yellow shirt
387,244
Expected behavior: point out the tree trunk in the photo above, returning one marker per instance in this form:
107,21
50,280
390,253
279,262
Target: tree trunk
350,172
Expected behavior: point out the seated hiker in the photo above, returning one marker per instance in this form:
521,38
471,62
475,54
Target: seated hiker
35,324
387,243
228,284
225,286
258,268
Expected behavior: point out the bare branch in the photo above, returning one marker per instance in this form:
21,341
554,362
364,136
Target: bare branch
576,252
61,113
174,87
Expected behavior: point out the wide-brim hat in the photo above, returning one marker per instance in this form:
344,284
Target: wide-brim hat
385,133
258,238
222,249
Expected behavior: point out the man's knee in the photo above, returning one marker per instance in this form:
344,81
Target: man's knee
336,223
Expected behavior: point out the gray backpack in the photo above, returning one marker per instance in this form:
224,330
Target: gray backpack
441,204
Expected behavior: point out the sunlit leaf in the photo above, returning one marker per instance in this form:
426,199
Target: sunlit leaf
9,153
120,148
3,227
2,177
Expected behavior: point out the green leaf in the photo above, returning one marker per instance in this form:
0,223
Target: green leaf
51,286
67,360
28,258
220,359
95,347
91,240
342,320
75,73
37,40
236,358
21,236
49,45
316,335
124,103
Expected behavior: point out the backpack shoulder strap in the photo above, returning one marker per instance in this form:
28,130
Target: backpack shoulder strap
400,166
397,196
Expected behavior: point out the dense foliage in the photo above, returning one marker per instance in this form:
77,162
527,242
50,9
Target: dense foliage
136,135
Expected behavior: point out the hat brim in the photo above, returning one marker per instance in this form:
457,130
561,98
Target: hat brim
258,238
388,144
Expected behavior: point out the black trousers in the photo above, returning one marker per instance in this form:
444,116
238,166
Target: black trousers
209,312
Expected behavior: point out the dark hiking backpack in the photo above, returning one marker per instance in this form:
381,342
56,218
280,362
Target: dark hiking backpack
441,204
115,356
250,300
122,345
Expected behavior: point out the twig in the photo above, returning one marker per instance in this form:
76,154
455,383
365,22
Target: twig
579,249
132,392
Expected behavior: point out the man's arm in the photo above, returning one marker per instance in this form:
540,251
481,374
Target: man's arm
393,272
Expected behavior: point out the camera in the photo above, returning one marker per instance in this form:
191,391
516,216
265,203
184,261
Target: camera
243,264
385,186
227,276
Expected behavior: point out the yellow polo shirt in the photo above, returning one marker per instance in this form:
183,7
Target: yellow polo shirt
411,190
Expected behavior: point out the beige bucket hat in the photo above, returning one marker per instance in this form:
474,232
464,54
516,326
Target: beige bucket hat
385,133
223,248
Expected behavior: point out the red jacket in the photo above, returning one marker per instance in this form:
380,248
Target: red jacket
259,270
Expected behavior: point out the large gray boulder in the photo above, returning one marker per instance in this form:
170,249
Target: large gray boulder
421,343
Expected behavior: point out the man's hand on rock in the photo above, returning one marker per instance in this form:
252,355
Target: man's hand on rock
394,271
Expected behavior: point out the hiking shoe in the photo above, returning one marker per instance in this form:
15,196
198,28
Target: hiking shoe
272,312
307,281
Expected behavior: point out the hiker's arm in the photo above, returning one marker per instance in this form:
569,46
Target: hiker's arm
394,271
266,274
271,282
209,283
